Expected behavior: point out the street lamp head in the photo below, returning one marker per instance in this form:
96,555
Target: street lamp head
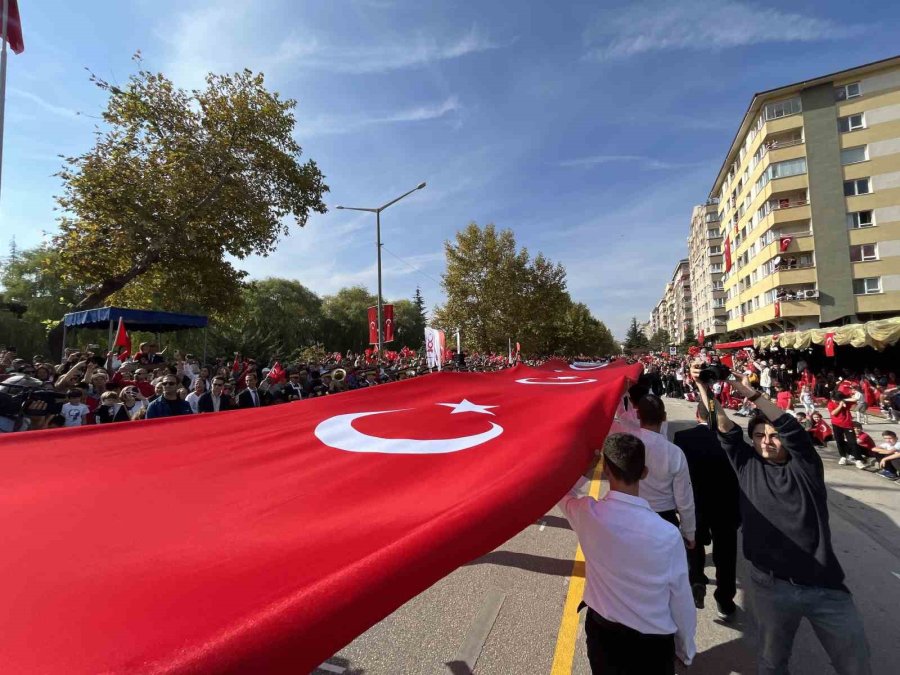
420,185
339,207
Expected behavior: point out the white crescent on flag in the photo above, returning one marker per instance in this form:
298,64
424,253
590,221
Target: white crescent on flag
561,379
338,432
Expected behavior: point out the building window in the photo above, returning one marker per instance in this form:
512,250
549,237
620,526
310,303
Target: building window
863,253
860,186
867,286
847,91
851,123
783,108
854,155
860,219
713,250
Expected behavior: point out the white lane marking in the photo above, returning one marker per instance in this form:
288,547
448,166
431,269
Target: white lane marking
896,575
543,525
331,668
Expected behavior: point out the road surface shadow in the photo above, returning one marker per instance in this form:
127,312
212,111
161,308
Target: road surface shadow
532,563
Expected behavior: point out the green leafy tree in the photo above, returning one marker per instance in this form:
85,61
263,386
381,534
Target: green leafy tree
689,338
635,338
176,182
344,319
660,340
495,291
585,335
409,325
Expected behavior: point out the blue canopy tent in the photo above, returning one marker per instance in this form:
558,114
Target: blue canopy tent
134,319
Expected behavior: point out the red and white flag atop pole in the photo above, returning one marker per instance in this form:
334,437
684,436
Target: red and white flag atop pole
187,557
123,339
11,34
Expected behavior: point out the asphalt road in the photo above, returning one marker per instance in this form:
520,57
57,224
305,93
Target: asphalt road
503,614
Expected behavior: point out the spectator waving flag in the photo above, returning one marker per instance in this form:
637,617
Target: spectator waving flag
234,553
277,374
122,341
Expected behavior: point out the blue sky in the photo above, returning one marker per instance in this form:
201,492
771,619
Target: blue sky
589,128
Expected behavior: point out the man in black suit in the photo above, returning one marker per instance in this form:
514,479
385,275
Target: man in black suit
252,397
716,502
214,400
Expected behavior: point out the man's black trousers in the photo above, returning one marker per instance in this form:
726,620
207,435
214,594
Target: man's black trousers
723,537
616,649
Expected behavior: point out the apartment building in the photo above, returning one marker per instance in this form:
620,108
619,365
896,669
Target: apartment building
809,204
681,310
706,268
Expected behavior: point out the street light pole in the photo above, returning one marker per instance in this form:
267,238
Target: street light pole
377,211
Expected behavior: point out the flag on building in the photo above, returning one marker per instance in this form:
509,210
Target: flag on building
784,242
125,553
727,254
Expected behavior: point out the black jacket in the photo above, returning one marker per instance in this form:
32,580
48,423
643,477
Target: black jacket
716,492
205,403
245,400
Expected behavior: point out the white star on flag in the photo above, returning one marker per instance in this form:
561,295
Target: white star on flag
468,406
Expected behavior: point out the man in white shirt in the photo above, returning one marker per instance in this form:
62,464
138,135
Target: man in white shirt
667,487
194,396
640,609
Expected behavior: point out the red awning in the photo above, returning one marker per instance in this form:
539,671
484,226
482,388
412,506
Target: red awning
735,345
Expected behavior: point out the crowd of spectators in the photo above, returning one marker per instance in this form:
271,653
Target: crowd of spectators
92,387
848,396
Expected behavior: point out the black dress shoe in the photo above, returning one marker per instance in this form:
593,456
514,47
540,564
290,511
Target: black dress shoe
725,611
699,591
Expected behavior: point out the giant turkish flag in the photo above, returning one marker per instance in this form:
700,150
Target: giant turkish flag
274,536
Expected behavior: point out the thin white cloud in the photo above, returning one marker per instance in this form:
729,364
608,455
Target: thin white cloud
643,27
44,104
229,36
642,162
341,124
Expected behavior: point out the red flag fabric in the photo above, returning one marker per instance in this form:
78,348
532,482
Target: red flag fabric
14,27
373,325
123,340
277,374
387,315
727,254
236,366
727,359
784,242
234,553
777,309
829,344
701,337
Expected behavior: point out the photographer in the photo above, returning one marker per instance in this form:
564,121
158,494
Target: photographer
787,538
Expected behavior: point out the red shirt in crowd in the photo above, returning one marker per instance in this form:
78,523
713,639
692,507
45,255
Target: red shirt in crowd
842,419
863,440
784,400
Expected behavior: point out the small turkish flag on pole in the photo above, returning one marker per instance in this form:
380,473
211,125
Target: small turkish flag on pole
829,344
277,374
123,339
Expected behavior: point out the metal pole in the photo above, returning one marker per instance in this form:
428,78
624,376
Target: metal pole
380,301
458,347
62,358
109,342
204,346
3,81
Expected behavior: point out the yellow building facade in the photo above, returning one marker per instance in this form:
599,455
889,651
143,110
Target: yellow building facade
809,204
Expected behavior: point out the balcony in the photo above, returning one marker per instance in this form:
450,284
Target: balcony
792,308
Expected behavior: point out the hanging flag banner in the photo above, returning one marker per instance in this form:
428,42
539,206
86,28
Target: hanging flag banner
13,27
434,347
236,553
784,242
829,344
777,309
727,254
372,315
387,315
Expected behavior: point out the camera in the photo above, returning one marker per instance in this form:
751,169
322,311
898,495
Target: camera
714,372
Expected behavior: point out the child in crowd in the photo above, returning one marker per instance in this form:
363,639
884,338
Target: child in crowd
784,399
820,432
74,409
889,451
865,442
806,399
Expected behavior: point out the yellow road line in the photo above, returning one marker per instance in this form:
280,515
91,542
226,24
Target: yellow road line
567,636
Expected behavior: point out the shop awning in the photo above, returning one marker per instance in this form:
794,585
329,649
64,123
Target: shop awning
876,334
735,345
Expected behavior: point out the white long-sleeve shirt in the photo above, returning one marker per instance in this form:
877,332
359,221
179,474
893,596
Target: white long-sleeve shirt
636,566
668,482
